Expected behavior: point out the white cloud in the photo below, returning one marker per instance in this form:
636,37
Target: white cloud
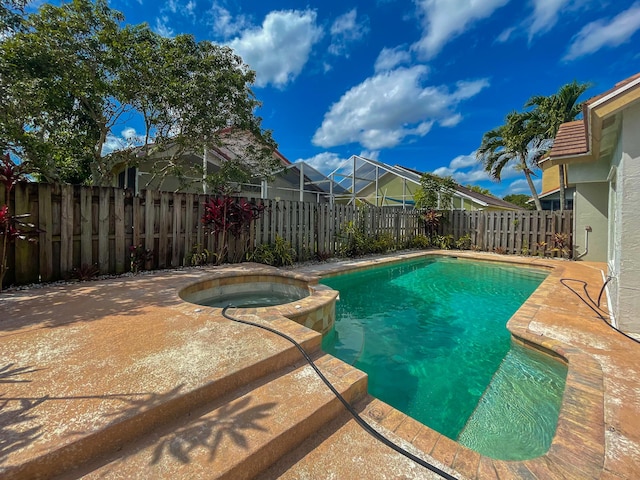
345,31
602,33
545,15
162,26
370,154
224,24
466,169
178,7
390,106
443,20
325,162
521,186
505,35
390,58
128,138
279,49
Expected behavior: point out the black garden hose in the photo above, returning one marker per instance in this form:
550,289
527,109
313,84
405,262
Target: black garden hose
595,306
377,435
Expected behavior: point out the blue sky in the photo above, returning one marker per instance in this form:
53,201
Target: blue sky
409,82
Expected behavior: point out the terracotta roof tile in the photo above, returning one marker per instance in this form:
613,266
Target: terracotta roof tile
571,139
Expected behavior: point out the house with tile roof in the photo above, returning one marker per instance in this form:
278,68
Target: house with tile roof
603,154
290,181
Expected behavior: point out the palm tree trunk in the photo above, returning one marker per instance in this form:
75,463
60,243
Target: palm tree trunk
534,193
563,195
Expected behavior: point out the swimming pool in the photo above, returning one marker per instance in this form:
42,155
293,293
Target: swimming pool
431,334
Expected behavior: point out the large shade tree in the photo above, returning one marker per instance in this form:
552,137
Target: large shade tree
552,111
517,142
74,73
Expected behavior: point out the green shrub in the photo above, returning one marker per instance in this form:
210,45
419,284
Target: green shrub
356,242
275,254
420,242
464,242
197,257
445,242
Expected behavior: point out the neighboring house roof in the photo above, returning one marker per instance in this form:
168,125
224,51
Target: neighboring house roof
571,139
365,176
595,136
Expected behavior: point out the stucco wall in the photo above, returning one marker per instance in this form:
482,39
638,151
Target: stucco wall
591,209
628,308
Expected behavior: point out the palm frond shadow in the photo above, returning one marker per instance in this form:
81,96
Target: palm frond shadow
8,373
230,420
206,429
13,436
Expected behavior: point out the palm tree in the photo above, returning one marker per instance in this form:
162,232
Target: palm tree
552,111
519,141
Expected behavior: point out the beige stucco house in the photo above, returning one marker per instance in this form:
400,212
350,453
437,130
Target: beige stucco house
603,151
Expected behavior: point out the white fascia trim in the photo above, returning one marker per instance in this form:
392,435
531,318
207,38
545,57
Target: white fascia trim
602,100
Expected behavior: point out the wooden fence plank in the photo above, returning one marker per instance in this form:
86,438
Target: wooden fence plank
149,220
103,229
66,229
86,226
177,250
22,255
120,252
45,225
163,233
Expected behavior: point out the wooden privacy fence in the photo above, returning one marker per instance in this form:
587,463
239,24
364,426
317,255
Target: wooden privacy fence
521,232
98,225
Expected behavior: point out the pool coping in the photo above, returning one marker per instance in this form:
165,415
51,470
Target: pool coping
578,447
599,426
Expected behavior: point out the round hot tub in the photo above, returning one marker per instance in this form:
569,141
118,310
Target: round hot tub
251,293
293,296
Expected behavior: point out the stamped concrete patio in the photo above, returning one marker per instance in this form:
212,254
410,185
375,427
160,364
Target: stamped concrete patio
121,378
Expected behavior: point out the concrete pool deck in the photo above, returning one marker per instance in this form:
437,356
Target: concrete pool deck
120,378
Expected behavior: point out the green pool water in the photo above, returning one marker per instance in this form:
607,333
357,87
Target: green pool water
431,334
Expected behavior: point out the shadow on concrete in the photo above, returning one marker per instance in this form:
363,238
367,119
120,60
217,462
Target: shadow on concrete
230,420
9,373
57,305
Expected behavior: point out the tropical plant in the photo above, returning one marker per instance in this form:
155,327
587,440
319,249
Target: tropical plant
357,242
85,272
276,254
552,111
561,244
12,227
517,141
225,215
444,242
199,256
464,242
420,242
139,256
431,220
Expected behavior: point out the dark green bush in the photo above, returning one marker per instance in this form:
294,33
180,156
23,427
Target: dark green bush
276,254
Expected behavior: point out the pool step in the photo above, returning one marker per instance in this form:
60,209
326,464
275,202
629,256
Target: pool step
342,449
241,435
119,420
